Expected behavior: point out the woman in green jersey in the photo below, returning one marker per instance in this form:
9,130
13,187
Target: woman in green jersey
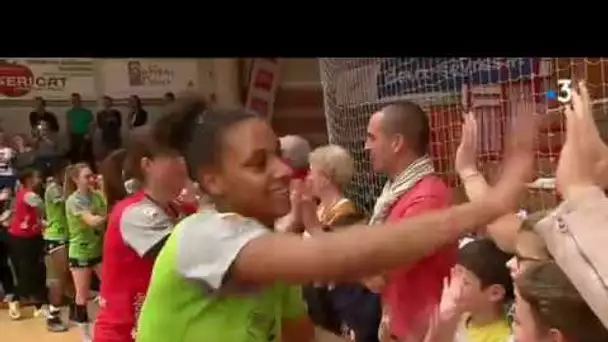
222,273
55,243
85,211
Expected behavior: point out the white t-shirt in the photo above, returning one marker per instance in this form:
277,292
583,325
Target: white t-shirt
6,161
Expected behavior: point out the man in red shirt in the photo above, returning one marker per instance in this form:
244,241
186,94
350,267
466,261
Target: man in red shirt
397,139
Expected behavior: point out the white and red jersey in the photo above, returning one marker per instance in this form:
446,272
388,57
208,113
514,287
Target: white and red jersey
26,220
137,229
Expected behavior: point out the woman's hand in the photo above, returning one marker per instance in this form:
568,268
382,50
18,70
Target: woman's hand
466,154
590,136
306,206
581,154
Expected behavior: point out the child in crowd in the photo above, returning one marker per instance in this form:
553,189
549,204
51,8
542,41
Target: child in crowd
474,305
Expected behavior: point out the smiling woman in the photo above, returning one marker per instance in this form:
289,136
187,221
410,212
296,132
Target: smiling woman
244,268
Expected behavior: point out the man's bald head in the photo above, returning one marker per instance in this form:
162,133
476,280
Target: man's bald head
296,150
410,121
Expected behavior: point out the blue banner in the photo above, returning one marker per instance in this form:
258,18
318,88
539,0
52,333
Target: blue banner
404,75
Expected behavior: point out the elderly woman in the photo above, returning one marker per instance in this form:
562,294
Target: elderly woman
331,170
345,309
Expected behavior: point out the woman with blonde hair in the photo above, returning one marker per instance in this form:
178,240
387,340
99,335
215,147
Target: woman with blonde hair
331,170
85,211
347,309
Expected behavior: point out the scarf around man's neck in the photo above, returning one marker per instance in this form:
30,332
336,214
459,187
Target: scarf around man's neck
394,189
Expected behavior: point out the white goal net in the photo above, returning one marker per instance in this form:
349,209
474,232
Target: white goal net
493,88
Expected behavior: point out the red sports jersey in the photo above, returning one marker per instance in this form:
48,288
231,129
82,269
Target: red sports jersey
25,221
137,227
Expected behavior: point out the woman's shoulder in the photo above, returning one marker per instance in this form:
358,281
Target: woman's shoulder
213,226
98,194
347,213
74,199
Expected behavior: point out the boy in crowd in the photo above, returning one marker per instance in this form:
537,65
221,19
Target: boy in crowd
473,306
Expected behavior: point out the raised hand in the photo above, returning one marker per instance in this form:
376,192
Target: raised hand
517,164
453,290
579,156
466,155
304,206
589,135
444,320
292,222
307,207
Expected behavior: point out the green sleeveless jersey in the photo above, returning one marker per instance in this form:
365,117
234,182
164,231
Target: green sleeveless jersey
85,241
191,297
54,207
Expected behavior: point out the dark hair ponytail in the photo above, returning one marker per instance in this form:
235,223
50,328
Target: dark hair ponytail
195,129
112,171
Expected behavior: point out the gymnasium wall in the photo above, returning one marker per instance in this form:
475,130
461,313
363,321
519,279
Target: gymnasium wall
14,113
299,101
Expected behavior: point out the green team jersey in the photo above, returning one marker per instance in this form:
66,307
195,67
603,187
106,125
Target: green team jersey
191,296
85,242
54,207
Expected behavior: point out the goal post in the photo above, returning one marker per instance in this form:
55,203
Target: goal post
493,88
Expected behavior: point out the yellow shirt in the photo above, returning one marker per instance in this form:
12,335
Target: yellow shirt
499,331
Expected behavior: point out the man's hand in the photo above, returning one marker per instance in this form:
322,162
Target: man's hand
466,155
517,165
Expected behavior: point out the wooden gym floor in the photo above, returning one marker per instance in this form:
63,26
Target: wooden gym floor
30,329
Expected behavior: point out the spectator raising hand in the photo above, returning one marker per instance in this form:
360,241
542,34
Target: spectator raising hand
444,321
518,162
453,289
575,232
466,154
305,206
584,155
